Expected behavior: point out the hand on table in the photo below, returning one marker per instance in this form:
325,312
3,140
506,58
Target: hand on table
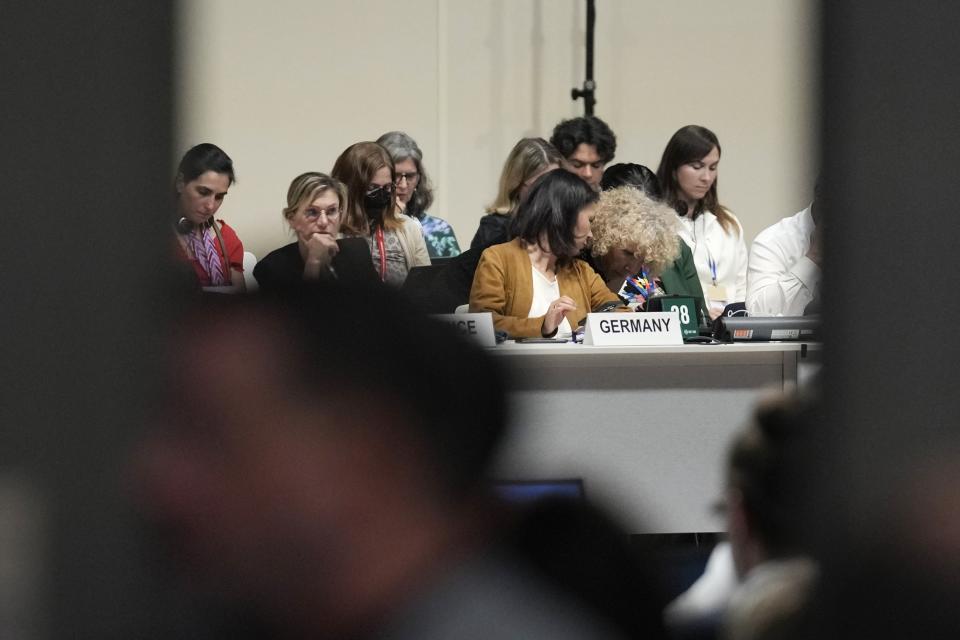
555,314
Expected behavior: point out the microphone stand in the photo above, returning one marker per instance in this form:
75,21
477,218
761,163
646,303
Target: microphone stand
589,86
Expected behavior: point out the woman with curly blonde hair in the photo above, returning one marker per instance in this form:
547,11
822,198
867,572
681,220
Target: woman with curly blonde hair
635,247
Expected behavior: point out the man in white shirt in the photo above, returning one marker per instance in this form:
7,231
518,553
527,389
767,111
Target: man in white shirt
783,271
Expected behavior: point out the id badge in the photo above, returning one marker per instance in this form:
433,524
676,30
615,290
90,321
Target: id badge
715,292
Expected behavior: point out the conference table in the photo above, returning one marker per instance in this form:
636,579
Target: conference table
646,428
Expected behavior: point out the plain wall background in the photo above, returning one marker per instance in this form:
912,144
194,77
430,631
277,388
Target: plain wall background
284,87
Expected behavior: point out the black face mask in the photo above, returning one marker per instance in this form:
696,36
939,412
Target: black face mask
376,201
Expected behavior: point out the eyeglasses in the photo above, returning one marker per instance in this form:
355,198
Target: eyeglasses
411,177
313,213
373,188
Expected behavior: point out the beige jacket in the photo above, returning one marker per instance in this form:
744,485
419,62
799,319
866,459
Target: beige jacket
411,239
503,285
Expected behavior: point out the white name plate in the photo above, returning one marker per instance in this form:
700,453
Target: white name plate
633,329
478,326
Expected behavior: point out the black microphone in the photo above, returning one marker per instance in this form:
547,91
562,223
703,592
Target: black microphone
607,306
610,305
681,208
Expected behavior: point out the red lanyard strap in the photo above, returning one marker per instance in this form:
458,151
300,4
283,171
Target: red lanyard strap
383,255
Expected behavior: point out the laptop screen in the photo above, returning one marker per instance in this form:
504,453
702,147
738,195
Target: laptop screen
528,491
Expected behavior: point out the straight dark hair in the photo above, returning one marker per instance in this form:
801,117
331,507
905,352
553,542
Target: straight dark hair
549,213
202,158
690,144
628,174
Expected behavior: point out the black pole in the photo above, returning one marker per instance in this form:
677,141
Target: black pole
589,86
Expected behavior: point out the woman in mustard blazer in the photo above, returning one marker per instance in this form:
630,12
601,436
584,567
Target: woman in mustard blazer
534,285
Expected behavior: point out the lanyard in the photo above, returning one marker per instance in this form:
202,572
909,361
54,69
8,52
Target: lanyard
706,246
383,255
643,283
650,287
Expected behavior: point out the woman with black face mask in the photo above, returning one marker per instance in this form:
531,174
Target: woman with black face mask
396,240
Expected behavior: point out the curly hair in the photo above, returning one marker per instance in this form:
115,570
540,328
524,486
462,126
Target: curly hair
626,218
570,134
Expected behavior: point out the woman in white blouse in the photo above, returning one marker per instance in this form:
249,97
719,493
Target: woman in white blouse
688,177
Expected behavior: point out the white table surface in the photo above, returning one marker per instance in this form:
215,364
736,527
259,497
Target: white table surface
647,428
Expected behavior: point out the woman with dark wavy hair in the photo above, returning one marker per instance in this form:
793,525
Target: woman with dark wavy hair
533,285
688,178
204,176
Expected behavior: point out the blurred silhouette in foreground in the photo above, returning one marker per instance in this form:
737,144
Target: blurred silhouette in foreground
305,480
758,584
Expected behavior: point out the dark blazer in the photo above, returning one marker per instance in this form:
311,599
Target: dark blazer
283,268
449,288
494,229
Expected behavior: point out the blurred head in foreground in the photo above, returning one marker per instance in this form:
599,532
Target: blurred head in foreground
763,500
327,478
301,467
764,505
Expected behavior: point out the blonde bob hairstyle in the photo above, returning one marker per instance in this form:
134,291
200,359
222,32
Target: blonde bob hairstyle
626,218
307,187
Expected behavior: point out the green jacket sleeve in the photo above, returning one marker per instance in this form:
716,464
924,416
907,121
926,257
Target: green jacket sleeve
681,278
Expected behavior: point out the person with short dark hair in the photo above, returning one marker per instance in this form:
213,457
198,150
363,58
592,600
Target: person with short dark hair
763,504
315,207
395,239
757,584
534,285
588,144
629,174
688,178
204,176
414,193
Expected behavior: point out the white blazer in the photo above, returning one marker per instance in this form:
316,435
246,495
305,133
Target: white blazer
709,243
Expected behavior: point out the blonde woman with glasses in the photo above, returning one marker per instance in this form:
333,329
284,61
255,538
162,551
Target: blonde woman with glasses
315,208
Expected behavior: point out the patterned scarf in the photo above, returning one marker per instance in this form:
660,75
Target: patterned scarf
206,254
